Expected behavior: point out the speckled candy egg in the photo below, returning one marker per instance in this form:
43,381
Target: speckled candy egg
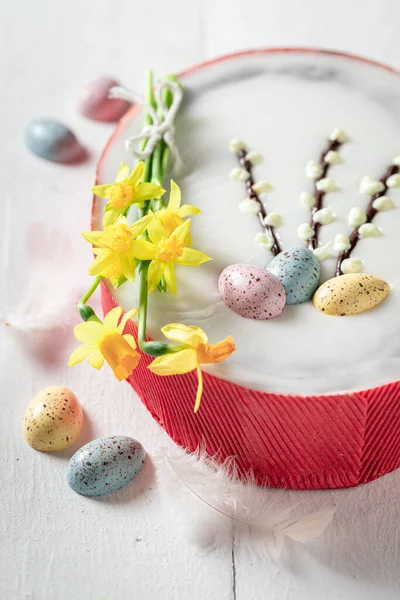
350,294
298,270
53,141
96,105
251,292
53,420
105,465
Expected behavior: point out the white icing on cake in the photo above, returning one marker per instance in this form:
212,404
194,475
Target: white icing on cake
302,351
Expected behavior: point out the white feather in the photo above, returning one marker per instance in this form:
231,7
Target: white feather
259,516
46,296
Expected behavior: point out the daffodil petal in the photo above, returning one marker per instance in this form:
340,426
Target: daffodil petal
127,265
102,191
111,216
192,258
169,274
178,363
96,360
112,318
106,264
94,237
90,332
123,172
147,191
154,274
137,174
187,209
128,315
130,339
174,197
189,335
199,389
139,226
79,354
181,232
155,230
143,249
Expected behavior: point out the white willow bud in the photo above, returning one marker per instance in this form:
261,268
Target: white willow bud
352,265
393,181
383,203
305,232
333,158
370,186
313,169
261,187
369,230
249,206
338,135
255,158
273,219
235,145
264,241
307,200
341,242
238,174
326,185
324,216
356,217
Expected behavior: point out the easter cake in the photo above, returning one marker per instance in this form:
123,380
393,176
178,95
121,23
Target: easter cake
292,157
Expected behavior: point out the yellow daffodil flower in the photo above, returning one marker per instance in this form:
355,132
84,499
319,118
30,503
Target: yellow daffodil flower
114,249
195,352
172,216
164,252
125,191
106,341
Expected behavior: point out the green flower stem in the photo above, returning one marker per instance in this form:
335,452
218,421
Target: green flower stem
86,312
155,170
91,290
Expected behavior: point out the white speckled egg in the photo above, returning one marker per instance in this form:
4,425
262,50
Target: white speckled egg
350,294
251,292
53,420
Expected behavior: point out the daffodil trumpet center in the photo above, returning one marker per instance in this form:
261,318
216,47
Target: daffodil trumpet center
120,195
119,355
170,249
119,238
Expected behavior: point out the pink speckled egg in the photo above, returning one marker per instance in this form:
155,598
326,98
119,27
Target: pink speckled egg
96,105
251,292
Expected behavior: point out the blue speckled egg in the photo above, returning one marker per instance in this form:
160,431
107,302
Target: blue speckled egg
105,465
53,141
298,269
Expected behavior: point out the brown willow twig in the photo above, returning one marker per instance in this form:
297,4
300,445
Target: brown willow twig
370,212
319,194
246,164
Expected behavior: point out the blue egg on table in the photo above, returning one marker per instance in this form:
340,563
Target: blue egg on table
105,465
53,141
298,270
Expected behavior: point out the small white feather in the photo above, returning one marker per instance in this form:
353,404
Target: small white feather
46,296
260,516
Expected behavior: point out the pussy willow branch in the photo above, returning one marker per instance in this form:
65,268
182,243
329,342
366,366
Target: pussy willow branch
370,212
319,195
246,164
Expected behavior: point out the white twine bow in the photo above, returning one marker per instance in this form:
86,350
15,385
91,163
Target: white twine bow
162,126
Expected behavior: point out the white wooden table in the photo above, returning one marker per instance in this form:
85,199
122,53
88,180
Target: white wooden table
54,544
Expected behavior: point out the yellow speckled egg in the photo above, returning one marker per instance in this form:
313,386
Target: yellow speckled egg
53,420
350,294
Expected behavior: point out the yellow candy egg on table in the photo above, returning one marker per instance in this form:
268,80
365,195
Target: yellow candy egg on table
53,420
350,294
